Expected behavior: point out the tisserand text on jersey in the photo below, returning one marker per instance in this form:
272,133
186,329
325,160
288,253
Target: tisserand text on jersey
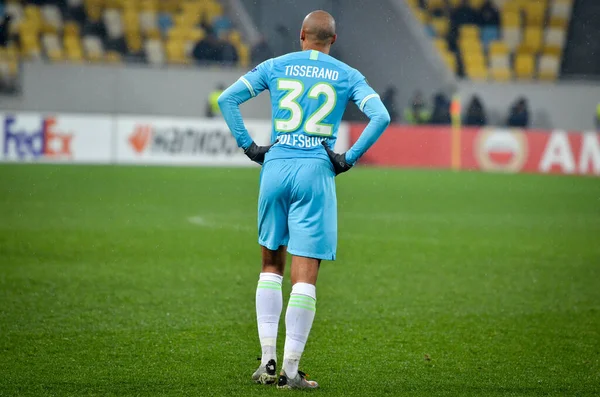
311,71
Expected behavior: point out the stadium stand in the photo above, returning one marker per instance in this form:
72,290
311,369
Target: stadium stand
526,44
113,31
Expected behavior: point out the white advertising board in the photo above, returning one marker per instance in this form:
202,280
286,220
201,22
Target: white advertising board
37,137
71,138
180,141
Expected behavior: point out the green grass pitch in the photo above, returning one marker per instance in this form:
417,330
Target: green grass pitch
140,281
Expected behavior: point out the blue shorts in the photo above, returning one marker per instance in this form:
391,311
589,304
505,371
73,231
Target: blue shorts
297,207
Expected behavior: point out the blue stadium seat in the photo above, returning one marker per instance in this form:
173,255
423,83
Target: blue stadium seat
489,34
430,31
221,24
165,22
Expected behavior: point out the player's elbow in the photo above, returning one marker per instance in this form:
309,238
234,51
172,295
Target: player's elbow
383,118
222,100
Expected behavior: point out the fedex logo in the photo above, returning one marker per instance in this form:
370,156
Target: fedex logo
40,141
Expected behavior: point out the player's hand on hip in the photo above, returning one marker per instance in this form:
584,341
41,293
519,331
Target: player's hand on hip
338,160
257,153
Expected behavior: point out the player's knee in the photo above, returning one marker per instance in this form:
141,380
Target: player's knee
273,260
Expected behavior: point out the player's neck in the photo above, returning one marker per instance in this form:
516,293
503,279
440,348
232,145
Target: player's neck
321,48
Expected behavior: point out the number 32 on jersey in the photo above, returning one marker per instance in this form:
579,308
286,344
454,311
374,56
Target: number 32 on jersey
313,124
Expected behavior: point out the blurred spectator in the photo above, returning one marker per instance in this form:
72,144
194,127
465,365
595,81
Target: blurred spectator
76,12
519,114
4,30
462,15
440,10
441,110
229,53
95,27
208,49
475,113
388,98
488,14
212,105
261,51
417,112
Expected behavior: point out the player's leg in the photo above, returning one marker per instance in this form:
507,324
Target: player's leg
273,237
269,303
299,318
313,237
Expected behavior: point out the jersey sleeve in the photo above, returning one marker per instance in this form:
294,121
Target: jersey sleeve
360,90
257,80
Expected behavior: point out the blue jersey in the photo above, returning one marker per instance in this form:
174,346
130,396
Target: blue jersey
309,93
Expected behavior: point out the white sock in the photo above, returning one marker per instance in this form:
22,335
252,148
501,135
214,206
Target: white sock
269,303
298,321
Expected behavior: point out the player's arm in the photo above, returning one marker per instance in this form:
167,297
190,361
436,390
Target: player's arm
370,104
247,87
379,119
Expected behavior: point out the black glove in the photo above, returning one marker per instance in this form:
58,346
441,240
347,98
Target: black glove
338,160
257,153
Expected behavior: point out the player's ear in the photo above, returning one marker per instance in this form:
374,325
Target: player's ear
334,38
302,35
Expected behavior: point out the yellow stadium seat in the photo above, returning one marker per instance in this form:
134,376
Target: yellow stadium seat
512,7
28,27
71,28
476,3
33,14
134,42
118,4
450,60
178,33
235,37
131,22
524,66
74,55
244,55
176,52
470,45
71,42
94,13
168,6
196,34
184,20
558,22
413,3
440,26
511,19
11,53
473,59
469,32
149,5
535,13
112,57
421,15
532,40
501,74
477,73
441,45
498,48
434,4
153,33
552,50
